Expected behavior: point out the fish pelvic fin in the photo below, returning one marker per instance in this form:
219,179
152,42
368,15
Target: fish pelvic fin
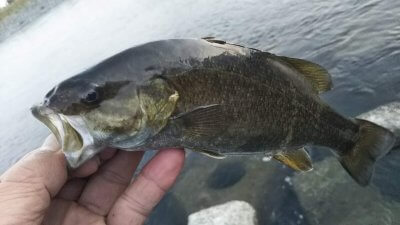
298,160
315,74
373,143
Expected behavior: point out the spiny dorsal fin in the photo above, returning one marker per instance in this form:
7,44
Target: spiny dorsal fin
202,121
298,160
214,40
319,78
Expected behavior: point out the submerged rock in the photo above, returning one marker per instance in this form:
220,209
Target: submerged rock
226,175
230,213
169,211
261,184
330,197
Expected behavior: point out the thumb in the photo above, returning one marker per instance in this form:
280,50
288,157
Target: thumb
45,165
27,187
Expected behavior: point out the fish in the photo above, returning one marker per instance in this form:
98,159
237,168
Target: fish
212,97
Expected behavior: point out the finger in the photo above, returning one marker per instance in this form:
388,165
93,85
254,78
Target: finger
70,213
93,164
148,188
88,168
107,154
27,187
51,143
109,182
72,189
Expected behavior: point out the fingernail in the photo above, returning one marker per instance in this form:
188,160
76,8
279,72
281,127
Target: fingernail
51,143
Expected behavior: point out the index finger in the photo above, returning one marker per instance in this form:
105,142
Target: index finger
148,188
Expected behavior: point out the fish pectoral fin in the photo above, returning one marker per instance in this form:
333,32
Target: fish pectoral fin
298,160
318,77
202,121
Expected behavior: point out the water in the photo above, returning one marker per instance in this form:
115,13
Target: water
3,3
357,41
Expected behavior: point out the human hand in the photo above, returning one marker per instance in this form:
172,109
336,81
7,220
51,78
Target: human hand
40,190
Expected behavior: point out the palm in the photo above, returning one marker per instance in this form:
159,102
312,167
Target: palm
75,214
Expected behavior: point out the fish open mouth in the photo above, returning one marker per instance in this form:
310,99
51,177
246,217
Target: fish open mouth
70,131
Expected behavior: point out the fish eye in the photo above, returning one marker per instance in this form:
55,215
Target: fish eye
91,97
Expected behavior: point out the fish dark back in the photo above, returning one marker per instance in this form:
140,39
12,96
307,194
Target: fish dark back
141,63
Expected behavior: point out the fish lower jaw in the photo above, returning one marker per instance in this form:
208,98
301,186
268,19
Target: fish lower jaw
75,139
78,143
79,157
72,159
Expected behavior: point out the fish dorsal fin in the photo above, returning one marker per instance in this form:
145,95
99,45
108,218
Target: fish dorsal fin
298,160
318,77
202,121
214,40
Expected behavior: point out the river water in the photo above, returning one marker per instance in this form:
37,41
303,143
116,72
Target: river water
358,42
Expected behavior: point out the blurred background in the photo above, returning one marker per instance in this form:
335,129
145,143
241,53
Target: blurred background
43,42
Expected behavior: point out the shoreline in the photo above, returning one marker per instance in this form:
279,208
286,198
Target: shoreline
20,13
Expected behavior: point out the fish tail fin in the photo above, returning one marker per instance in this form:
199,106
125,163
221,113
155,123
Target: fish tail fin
373,142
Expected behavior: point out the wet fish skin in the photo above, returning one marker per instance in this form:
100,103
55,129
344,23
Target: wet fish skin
262,114
212,97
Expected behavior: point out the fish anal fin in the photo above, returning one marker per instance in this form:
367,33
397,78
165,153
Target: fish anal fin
204,121
318,77
298,160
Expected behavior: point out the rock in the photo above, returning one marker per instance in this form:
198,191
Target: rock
385,115
261,184
226,175
330,197
169,211
230,213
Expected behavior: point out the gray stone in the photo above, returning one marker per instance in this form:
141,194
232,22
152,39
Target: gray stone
230,213
330,197
387,115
